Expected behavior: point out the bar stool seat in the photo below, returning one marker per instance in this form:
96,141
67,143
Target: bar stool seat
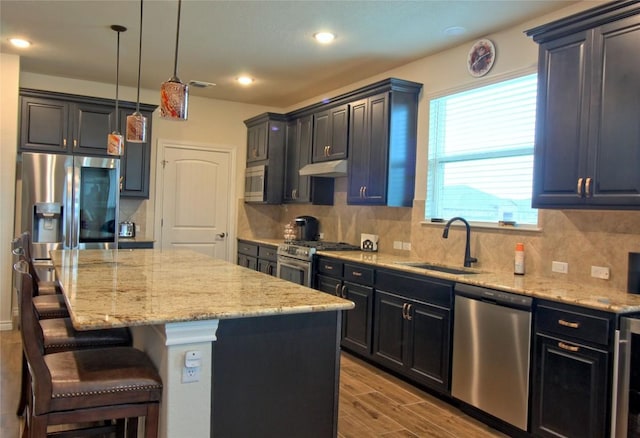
59,335
50,306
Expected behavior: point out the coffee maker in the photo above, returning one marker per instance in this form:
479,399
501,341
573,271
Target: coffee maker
306,228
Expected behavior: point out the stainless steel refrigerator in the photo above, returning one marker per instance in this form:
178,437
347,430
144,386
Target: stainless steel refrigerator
70,202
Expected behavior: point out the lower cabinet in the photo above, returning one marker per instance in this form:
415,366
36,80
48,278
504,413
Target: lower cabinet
413,337
357,322
572,363
258,257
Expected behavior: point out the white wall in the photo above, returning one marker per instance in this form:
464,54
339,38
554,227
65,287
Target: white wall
9,77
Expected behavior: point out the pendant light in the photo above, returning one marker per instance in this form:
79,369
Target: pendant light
174,95
136,122
115,141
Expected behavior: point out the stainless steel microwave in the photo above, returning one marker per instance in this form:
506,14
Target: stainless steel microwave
254,184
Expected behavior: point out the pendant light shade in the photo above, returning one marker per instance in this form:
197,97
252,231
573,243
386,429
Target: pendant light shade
115,141
174,95
136,122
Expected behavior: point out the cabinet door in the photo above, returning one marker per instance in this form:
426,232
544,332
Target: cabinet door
428,353
615,115
569,390
44,125
267,267
329,285
92,124
330,134
135,162
560,155
356,325
248,261
369,143
389,333
298,153
257,139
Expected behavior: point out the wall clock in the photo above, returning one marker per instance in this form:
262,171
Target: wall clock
481,58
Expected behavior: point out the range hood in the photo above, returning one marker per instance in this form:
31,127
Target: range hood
333,169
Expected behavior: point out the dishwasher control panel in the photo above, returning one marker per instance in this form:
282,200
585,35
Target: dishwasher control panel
493,296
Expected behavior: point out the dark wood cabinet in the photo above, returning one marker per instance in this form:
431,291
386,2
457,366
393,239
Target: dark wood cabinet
267,259
63,126
258,257
135,163
571,367
412,335
330,134
303,189
339,279
382,147
586,153
266,135
70,124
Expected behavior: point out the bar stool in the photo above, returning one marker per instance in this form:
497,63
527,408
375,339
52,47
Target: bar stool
46,287
75,387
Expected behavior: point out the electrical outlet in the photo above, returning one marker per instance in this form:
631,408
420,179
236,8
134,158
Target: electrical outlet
397,244
560,267
600,272
190,374
406,246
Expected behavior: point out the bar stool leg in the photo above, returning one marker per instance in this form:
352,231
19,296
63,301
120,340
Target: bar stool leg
24,387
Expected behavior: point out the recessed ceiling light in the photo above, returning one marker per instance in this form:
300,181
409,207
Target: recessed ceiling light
19,42
324,37
245,80
454,30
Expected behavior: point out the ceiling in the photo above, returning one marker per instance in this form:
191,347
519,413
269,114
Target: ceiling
269,40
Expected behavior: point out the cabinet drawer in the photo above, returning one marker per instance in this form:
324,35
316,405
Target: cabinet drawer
330,267
438,292
358,274
248,249
574,324
268,253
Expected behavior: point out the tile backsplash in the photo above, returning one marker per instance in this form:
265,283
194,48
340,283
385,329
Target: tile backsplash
581,238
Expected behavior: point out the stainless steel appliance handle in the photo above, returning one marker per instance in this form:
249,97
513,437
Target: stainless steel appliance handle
69,207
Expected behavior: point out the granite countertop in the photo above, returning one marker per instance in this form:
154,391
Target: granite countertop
111,288
616,301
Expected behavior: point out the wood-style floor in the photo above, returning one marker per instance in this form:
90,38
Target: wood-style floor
372,403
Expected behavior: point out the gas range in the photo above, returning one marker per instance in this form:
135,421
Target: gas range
305,249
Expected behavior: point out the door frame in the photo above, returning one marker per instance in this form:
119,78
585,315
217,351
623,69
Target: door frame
231,151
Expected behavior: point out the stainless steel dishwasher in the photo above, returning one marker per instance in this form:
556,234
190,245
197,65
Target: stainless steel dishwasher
491,340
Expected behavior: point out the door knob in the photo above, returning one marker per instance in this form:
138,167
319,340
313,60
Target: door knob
222,235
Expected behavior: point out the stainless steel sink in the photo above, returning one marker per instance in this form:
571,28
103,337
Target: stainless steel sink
439,268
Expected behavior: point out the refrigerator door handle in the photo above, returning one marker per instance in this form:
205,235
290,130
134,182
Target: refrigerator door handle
69,208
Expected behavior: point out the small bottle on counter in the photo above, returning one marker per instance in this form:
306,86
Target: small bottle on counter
519,259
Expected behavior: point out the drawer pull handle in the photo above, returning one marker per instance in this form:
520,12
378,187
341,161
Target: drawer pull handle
328,268
579,187
344,291
338,290
356,274
568,347
564,323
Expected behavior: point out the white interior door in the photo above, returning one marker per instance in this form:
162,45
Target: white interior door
196,200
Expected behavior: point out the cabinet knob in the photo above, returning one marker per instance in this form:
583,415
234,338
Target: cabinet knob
75,143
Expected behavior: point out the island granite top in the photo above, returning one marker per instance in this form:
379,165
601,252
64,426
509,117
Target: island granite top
112,288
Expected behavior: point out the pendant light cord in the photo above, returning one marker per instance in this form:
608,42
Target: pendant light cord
139,60
175,63
117,80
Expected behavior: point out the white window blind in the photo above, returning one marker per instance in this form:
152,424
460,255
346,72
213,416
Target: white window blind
481,153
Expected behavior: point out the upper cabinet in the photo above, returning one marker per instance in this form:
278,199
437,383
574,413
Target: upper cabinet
587,148
330,134
70,124
382,142
266,135
300,189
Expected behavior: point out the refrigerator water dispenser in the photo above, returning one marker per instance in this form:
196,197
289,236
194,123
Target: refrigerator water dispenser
47,222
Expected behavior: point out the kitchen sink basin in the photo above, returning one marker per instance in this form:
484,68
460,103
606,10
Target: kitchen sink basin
439,268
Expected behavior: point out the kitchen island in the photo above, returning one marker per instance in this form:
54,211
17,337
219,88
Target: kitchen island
269,349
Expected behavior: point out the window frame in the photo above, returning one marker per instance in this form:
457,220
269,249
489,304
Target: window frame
467,157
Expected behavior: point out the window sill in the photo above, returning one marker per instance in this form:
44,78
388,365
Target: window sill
524,228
